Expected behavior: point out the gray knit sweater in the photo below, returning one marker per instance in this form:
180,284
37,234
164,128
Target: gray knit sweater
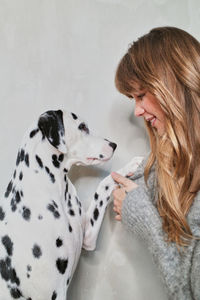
180,271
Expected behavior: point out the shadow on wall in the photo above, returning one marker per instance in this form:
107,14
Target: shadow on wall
127,131
86,180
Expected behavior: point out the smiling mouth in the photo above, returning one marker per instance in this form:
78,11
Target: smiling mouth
152,121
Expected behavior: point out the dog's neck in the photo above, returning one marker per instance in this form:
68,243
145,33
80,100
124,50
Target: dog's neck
53,158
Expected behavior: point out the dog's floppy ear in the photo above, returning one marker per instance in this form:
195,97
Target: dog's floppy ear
52,127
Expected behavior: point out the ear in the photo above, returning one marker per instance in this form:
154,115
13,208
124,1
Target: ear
52,127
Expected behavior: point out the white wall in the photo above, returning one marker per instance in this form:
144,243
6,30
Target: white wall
63,54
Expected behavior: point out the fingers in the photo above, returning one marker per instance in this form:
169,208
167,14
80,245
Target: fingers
118,215
118,198
119,194
128,184
129,174
124,186
118,218
119,178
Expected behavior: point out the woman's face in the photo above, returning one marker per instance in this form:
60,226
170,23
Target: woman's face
147,106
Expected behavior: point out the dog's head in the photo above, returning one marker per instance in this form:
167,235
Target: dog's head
71,136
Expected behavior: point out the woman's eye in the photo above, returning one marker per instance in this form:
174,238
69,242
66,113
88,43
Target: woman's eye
83,127
140,96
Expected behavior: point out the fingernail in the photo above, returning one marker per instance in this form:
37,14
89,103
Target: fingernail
113,173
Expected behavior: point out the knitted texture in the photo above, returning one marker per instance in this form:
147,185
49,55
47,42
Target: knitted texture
179,269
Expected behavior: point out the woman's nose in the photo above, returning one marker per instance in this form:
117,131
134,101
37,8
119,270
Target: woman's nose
139,110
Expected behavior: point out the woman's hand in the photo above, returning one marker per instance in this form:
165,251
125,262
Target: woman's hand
125,185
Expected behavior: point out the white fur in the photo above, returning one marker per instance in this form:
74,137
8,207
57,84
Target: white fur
104,192
40,211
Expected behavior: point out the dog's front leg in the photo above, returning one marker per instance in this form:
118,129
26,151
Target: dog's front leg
96,210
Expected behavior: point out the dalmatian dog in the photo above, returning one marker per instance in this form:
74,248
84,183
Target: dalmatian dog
43,225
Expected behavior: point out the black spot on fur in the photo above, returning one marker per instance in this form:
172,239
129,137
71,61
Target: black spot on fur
66,190
96,196
9,189
27,160
54,203
14,175
18,159
39,161
7,272
68,280
29,268
65,170
74,116
92,222
17,197
20,176
55,161
101,203
40,217
61,265
59,242
106,187
52,177
79,211
70,228
15,293
2,214
54,296
96,213
77,201
69,203
47,170
61,157
36,251
71,212
20,156
26,213
15,200
101,156
34,132
8,244
13,205
13,190
54,211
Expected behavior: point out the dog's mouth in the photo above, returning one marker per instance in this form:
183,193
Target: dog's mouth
97,159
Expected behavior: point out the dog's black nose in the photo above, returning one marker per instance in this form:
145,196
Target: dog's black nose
113,145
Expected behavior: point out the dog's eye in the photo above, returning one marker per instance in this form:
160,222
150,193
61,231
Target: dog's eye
83,127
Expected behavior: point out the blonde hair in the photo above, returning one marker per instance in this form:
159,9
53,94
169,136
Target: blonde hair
166,62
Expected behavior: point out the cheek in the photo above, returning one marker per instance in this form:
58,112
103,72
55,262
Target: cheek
161,114
156,110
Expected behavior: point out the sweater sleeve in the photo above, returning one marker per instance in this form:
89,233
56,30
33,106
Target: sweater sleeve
179,271
194,223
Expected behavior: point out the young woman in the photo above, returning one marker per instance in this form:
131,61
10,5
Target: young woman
161,201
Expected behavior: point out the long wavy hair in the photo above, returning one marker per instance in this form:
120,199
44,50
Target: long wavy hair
166,62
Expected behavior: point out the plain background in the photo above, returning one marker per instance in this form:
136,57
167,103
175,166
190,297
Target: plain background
63,54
